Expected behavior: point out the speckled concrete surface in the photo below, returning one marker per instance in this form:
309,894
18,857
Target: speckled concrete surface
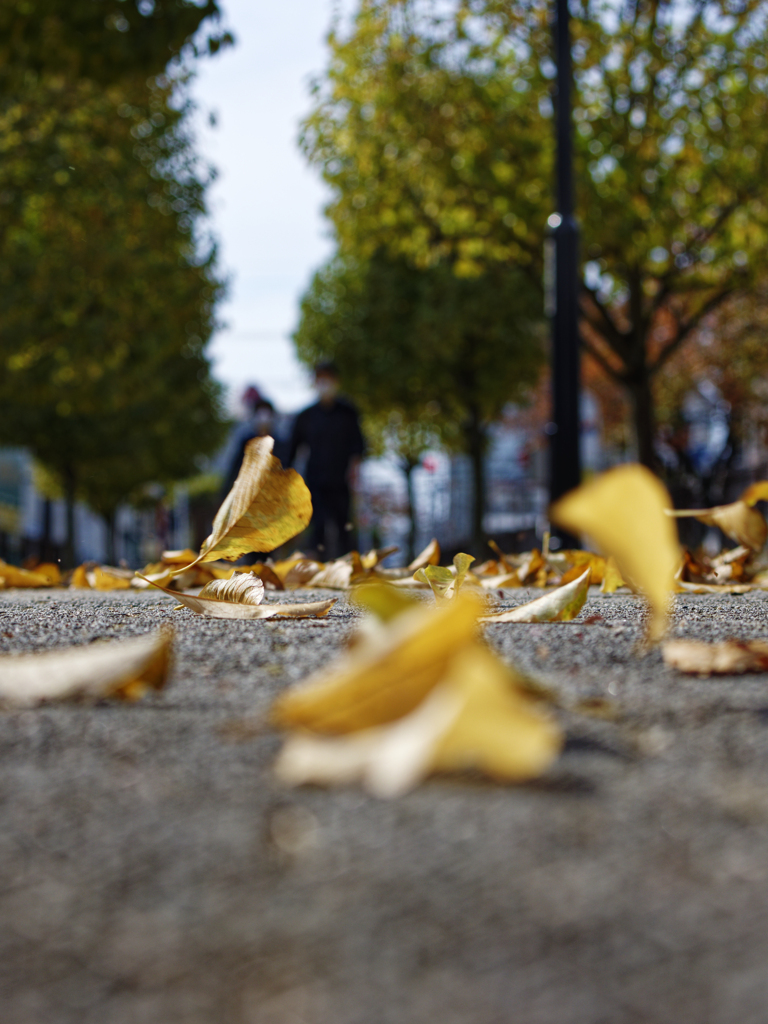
154,873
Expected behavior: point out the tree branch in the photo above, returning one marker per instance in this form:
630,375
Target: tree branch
685,329
600,359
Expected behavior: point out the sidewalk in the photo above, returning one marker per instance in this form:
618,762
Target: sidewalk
153,872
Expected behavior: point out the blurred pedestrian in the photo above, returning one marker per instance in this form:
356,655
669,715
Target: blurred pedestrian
261,422
329,433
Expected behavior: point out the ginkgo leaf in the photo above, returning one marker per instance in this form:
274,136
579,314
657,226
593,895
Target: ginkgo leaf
126,669
429,556
446,583
377,555
385,601
15,577
242,588
335,575
235,608
300,573
757,491
50,570
624,512
266,507
102,579
385,676
477,718
80,578
612,579
560,605
730,657
595,563
739,521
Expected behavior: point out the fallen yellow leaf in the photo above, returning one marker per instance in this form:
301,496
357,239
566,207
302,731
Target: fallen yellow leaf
624,512
266,507
384,677
445,582
429,556
15,577
560,605
739,521
476,718
731,657
127,669
235,607
242,588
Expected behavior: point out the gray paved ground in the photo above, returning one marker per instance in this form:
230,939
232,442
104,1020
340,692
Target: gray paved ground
152,872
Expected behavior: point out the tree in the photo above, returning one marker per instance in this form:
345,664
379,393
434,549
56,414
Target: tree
444,352
433,128
107,289
102,40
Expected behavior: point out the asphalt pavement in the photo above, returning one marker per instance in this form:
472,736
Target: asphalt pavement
152,870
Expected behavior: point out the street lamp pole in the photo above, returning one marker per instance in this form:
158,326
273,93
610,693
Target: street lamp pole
565,456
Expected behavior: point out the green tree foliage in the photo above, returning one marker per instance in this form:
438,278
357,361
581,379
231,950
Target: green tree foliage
444,354
433,127
107,290
103,40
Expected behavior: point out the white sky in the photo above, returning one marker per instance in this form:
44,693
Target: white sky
266,205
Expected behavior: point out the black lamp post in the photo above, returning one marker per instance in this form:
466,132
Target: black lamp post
564,429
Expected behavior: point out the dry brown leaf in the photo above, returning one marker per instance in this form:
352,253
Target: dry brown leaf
384,677
477,718
429,556
560,605
266,507
731,657
624,512
126,669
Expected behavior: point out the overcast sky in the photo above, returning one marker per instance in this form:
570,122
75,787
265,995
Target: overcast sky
266,203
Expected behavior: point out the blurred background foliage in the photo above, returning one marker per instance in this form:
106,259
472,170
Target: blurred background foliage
433,127
108,282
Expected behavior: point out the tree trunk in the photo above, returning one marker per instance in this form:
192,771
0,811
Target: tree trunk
46,553
639,386
476,439
408,468
69,498
110,521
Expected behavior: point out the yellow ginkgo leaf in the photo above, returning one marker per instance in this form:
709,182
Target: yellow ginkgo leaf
739,521
445,582
127,669
386,675
15,577
266,507
477,718
757,491
612,579
560,605
624,512
242,588
80,578
429,556
237,604
730,657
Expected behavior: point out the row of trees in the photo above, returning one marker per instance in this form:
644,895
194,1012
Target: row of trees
433,128
108,286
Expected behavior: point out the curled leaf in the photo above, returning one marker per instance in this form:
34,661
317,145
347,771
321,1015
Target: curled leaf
739,521
242,588
560,605
624,512
384,677
126,669
429,556
730,657
266,507
445,582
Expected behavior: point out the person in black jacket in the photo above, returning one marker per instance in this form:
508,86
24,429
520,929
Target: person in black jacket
329,433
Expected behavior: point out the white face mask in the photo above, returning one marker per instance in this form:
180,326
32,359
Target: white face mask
326,387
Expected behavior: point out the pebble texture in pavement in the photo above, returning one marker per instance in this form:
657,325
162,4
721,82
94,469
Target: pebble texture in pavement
153,871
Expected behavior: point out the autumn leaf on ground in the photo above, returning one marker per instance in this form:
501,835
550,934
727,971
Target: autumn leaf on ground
266,507
739,521
240,598
446,582
612,579
624,512
126,669
560,605
731,657
476,718
429,556
15,577
384,677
